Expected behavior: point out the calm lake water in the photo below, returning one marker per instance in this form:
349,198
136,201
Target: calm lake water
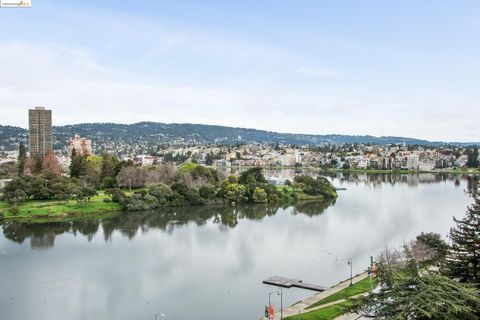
209,262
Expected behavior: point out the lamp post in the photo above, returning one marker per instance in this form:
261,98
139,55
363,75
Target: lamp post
281,304
269,295
350,263
279,293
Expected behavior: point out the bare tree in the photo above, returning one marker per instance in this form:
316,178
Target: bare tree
50,163
167,172
391,256
128,177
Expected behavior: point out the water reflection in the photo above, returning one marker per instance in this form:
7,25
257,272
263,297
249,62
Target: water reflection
209,262
411,180
42,235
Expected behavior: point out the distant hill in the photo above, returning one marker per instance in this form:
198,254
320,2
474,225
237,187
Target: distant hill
151,134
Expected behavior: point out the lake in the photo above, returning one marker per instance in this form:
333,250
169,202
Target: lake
209,262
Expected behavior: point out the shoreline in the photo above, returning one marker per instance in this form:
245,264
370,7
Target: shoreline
113,210
306,305
368,171
391,171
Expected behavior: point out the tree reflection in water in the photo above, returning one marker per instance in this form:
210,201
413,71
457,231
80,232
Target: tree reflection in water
42,235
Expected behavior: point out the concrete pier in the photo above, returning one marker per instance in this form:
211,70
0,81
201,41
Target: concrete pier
289,282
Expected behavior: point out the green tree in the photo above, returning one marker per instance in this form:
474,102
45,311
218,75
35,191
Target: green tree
109,182
235,193
209,159
259,195
472,161
318,186
63,189
429,247
206,191
22,157
179,187
8,170
256,173
92,171
40,188
463,258
11,190
77,165
88,192
108,167
209,174
85,193
116,194
404,293
37,164
162,192
18,196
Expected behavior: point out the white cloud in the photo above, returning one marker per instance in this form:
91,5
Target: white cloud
80,89
317,72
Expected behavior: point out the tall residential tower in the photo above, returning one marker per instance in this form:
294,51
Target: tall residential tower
40,127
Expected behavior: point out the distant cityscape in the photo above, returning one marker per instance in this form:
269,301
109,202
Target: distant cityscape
159,148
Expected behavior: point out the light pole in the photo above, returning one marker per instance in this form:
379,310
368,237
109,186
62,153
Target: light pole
350,263
279,293
281,304
269,295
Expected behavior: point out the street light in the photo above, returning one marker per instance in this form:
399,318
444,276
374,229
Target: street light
279,293
281,304
159,314
269,295
350,263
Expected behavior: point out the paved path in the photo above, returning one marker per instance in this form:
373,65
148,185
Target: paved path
352,316
300,306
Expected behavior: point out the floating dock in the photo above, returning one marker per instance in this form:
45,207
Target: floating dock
289,282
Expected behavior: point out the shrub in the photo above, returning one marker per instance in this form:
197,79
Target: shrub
193,198
150,202
259,195
206,191
109,182
180,188
116,194
161,192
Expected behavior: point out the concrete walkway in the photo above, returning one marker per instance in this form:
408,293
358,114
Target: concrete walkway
352,316
300,307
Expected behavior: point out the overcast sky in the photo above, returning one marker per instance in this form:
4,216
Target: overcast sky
404,68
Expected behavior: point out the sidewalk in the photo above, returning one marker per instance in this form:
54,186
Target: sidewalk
300,306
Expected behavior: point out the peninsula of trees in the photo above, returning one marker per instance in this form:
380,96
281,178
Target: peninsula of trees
104,184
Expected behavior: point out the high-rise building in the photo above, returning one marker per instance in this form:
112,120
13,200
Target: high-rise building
82,146
40,131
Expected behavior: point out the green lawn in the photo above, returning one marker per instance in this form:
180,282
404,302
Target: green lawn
362,286
50,208
327,313
300,194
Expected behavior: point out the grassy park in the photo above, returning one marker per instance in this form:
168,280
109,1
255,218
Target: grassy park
59,209
339,302
327,313
360,287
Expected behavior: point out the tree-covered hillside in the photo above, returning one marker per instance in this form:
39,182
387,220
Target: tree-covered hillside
153,134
